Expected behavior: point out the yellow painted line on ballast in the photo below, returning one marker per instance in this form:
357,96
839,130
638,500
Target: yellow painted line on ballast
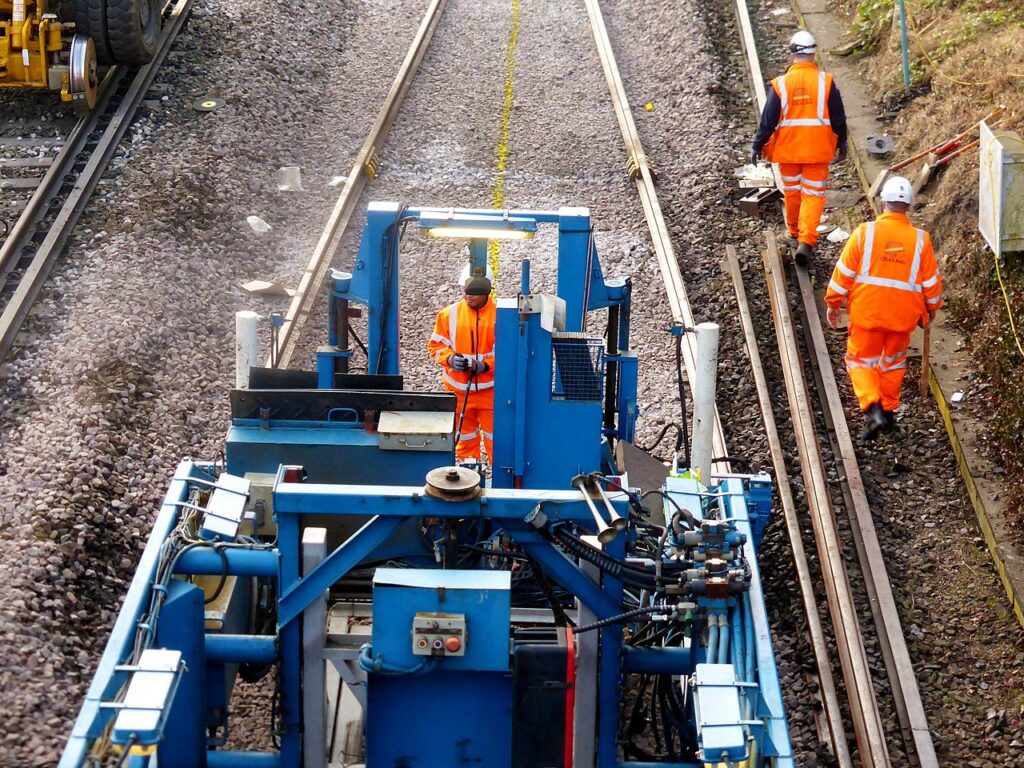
498,191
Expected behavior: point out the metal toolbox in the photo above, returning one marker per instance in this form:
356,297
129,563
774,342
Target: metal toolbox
416,430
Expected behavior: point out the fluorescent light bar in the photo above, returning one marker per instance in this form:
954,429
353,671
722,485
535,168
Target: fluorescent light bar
480,233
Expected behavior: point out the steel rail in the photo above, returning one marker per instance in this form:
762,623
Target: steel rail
54,178
830,699
641,172
35,276
364,168
868,728
900,669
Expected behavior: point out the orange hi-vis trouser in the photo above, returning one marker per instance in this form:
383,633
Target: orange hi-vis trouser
877,361
804,186
474,422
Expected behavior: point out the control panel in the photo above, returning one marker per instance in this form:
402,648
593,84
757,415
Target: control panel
439,634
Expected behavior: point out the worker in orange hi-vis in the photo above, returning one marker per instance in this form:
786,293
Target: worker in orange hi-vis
463,345
888,279
802,125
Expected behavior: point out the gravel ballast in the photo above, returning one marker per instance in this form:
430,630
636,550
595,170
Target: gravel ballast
132,354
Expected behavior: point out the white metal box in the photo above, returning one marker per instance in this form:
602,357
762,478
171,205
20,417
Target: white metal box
416,430
1001,190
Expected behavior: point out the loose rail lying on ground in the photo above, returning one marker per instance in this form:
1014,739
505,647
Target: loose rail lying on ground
365,167
830,700
35,276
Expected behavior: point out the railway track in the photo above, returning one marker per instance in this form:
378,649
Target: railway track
832,430
33,243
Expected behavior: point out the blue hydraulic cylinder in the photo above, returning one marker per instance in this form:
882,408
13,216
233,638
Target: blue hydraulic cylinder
239,649
204,561
232,759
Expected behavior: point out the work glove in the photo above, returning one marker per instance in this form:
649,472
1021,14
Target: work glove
920,321
841,154
834,316
459,362
754,155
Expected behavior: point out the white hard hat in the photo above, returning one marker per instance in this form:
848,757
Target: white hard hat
467,273
898,190
802,42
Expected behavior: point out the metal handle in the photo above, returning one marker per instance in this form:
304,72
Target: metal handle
405,441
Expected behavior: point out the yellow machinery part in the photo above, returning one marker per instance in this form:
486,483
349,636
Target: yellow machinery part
30,42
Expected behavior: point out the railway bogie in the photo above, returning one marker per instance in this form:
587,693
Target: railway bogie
60,46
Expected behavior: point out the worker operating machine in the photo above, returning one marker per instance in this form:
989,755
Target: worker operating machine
62,45
576,603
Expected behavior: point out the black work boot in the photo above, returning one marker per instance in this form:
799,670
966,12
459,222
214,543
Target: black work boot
804,252
891,425
790,242
874,423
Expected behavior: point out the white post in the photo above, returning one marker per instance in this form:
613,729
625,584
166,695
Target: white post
584,737
704,400
247,346
314,638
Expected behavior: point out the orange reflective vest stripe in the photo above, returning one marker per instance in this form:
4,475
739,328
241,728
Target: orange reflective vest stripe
887,275
469,332
804,133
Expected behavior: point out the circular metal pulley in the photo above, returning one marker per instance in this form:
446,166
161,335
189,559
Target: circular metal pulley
453,483
83,78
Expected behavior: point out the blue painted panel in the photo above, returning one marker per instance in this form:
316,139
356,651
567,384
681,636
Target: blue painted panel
439,720
181,628
483,596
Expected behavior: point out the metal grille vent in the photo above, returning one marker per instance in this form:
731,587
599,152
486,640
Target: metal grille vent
577,367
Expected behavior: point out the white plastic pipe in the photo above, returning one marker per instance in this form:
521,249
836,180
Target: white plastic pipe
704,400
247,346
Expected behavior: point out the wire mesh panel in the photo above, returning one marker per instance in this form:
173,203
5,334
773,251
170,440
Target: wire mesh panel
577,367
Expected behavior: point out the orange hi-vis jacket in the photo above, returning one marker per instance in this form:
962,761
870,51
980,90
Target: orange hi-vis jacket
469,332
887,275
804,133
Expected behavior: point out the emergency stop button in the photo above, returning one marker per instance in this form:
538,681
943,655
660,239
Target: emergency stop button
453,645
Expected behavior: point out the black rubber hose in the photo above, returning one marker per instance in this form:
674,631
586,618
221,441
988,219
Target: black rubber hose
682,399
621,618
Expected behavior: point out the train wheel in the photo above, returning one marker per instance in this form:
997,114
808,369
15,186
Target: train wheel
84,80
133,28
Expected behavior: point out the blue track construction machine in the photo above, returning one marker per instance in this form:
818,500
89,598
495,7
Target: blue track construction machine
584,605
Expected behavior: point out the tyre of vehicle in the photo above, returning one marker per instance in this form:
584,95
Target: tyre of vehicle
91,20
133,28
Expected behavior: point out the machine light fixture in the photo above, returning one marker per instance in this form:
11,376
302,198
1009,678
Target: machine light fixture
468,226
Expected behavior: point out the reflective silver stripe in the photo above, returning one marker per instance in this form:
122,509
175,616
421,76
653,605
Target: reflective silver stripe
930,281
821,96
845,269
899,366
487,434
834,286
915,265
453,322
936,300
783,96
894,358
869,244
457,384
442,339
813,192
791,189
792,178
463,436
856,364
482,385
806,121
887,282
812,182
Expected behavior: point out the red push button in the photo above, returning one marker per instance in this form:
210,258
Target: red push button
453,644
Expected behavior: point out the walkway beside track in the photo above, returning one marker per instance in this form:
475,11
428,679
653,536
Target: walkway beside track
947,370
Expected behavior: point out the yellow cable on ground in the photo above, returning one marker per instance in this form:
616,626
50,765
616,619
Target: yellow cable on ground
1009,309
498,192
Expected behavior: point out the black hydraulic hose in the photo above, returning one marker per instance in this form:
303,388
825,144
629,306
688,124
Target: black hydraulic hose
561,619
610,565
661,436
682,399
622,618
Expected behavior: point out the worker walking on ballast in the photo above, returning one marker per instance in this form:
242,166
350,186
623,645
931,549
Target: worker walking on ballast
888,279
463,345
802,125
